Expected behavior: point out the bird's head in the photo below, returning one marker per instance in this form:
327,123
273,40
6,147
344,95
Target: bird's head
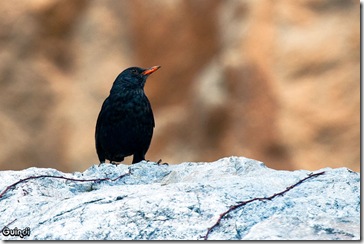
134,77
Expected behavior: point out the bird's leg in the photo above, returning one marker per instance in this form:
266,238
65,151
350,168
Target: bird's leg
101,163
114,163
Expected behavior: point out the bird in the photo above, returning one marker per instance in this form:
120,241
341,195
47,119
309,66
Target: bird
125,124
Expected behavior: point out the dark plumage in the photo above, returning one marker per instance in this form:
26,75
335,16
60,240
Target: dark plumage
126,122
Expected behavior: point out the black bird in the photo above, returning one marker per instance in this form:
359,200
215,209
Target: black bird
126,122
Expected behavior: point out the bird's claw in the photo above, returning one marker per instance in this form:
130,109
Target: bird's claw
160,161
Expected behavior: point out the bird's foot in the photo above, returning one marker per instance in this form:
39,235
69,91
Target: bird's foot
160,161
113,163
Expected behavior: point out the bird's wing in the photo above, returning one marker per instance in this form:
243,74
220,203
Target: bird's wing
99,150
151,112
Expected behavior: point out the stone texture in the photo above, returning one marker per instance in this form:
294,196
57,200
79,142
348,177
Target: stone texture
180,202
274,80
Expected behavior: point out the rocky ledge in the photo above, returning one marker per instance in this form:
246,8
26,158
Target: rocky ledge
232,198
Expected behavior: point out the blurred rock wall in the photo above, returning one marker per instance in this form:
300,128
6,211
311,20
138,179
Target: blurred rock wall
277,81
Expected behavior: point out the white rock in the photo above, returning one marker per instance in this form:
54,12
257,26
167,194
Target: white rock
180,202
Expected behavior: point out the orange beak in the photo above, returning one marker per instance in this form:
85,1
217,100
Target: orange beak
151,70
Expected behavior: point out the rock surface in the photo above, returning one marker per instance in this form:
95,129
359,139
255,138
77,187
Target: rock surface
271,80
180,202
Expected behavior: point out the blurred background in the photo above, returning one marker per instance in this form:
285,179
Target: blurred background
276,81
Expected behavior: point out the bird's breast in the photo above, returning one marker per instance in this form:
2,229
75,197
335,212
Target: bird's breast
130,108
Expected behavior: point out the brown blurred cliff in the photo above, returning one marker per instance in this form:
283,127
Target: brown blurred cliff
277,81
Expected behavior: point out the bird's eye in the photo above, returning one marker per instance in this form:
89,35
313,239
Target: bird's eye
134,71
